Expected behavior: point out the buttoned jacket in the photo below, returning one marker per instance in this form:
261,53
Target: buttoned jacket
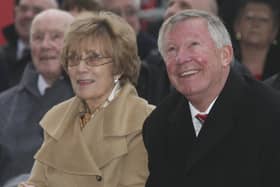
108,152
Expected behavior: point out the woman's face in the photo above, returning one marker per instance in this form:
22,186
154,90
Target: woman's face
91,73
256,25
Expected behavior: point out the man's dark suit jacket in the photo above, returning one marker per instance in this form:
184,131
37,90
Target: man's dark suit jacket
238,145
8,59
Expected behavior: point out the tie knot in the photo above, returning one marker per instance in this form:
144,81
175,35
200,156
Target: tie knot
201,117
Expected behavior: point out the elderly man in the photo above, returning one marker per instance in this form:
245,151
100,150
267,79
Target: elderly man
43,85
218,128
161,88
155,85
174,6
128,9
16,53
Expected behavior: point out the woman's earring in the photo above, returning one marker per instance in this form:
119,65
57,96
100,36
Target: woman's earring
238,36
116,79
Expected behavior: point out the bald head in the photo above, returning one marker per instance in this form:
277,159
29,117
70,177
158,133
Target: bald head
175,6
47,34
53,15
52,18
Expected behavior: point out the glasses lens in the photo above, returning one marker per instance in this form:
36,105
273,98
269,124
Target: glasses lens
93,59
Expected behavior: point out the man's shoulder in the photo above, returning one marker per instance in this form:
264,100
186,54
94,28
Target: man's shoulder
8,52
168,105
8,48
273,81
7,95
261,98
261,90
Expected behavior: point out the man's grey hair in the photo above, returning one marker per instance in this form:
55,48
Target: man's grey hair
216,28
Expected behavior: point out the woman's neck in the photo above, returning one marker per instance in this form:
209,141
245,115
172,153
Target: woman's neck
95,104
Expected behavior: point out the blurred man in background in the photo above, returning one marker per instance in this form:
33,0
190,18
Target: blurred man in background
16,53
43,85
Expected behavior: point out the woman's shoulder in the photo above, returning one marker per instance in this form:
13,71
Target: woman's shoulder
59,114
127,113
136,102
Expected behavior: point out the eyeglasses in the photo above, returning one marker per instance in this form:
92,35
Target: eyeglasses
92,59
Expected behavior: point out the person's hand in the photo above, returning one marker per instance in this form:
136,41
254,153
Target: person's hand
24,184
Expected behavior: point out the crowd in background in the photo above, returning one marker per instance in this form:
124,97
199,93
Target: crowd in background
28,89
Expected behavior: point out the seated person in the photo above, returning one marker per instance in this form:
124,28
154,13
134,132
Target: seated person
43,85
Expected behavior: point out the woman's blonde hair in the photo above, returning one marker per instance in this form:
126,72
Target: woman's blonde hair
115,36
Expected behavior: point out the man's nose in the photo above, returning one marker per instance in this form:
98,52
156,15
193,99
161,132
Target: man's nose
183,56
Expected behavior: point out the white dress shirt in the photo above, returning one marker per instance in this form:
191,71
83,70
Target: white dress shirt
196,123
42,85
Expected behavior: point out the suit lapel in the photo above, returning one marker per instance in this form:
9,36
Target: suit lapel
220,121
214,130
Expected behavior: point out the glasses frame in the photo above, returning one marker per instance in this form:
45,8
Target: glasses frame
93,59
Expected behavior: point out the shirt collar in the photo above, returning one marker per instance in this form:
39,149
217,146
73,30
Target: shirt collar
20,48
42,84
195,111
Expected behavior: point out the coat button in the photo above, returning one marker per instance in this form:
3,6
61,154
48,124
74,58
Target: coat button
98,178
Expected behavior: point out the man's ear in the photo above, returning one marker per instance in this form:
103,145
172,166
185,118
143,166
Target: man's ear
226,55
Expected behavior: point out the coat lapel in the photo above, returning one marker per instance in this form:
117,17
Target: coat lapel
64,147
123,118
220,121
180,135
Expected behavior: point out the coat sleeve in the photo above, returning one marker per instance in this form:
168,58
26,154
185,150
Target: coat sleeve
37,177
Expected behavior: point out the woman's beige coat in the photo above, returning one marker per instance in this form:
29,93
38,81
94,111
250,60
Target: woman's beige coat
108,152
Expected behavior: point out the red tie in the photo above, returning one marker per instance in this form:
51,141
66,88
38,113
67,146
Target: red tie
201,117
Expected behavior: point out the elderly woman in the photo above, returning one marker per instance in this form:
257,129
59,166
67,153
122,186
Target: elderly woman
256,27
94,139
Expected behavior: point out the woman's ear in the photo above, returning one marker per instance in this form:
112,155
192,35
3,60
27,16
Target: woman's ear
236,29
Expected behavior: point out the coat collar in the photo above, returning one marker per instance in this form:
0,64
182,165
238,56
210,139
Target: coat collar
116,114
29,80
124,115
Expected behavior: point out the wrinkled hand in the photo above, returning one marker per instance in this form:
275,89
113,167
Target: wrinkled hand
23,184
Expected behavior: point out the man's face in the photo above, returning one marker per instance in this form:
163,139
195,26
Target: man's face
126,9
174,6
25,11
46,45
195,66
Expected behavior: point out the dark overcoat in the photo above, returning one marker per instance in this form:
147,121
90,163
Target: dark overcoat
238,145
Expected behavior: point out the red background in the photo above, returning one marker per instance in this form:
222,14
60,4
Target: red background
6,16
